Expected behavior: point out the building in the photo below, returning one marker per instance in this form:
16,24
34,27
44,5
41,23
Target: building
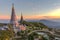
21,19
14,22
5,27
21,25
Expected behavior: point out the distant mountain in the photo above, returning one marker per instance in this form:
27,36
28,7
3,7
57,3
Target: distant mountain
56,20
51,23
4,21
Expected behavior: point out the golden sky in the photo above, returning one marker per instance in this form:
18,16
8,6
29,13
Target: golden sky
53,14
31,9
33,17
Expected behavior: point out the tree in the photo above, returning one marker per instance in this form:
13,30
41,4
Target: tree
4,34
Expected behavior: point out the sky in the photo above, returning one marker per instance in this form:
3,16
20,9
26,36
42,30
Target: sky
31,9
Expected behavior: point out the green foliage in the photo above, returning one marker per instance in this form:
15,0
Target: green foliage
41,37
30,26
5,34
1,24
31,37
21,33
34,25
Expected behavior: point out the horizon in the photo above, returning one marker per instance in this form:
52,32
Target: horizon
31,17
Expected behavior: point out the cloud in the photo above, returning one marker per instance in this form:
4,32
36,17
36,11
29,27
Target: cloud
52,17
41,17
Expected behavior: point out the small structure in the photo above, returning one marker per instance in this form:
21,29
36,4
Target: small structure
45,29
22,26
5,27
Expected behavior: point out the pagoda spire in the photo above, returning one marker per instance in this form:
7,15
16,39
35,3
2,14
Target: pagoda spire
21,19
13,15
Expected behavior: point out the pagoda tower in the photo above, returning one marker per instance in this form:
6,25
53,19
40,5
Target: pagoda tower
13,16
13,20
21,20
22,26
